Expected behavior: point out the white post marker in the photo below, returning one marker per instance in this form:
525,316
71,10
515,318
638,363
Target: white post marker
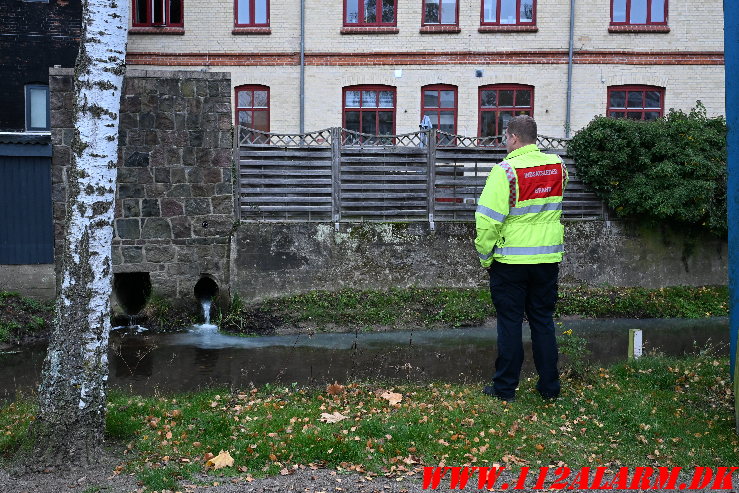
635,343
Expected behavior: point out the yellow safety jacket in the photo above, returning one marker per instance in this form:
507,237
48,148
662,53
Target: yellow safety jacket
518,213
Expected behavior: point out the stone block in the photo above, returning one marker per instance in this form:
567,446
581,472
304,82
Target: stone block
171,207
159,253
195,138
150,208
202,189
132,254
130,208
166,104
179,120
173,156
162,175
197,206
188,157
147,121
222,204
156,190
151,138
164,121
130,190
187,88
131,103
225,140
178,175
212,175
222,158
116,256
137,159
223,189
128,229
156,228
181,227
134,137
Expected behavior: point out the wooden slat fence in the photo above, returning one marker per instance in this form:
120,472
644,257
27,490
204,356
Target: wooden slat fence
340,175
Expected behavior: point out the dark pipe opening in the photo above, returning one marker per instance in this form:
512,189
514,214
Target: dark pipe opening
132,289
206,289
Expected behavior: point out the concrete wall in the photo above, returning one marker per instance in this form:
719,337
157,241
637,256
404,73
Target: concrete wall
272,259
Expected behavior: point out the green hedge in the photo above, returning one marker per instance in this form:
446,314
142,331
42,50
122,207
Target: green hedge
671,170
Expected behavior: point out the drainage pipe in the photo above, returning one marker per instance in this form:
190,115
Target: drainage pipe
569,69
302,66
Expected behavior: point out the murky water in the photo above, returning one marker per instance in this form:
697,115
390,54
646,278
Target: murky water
150,364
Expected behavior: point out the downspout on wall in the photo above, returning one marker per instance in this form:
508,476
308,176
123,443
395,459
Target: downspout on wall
302,66
569,70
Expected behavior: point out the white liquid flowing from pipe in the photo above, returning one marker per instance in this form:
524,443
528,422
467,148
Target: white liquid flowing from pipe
206,311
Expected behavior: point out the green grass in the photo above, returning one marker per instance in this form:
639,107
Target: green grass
653,411
21,317
437,307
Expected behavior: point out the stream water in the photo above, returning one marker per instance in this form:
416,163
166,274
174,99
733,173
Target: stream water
167,363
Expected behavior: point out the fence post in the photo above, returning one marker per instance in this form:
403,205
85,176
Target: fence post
336,175
431,174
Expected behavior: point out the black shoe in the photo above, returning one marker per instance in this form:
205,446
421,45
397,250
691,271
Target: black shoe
488,390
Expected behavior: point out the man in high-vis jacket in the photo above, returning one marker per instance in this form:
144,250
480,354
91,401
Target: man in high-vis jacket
520,242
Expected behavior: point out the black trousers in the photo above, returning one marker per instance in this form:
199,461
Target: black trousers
531,289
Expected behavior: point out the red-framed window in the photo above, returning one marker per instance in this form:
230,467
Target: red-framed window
251,13
151,13
439,103
440,12
369,109
631,12
370,12
501,102
508,12
636,102
252,107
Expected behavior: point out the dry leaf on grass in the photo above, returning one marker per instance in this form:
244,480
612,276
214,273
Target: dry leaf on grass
220,461
332,418
392,397
335,389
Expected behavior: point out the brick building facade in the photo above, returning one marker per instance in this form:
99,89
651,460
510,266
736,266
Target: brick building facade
672,53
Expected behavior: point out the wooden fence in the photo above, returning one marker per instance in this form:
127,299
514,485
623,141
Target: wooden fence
337,175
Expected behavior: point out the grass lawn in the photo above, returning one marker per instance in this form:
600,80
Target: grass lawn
654,411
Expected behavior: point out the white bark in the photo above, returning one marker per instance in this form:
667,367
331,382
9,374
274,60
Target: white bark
73,389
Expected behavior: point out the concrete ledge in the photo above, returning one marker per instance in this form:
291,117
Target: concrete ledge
36,281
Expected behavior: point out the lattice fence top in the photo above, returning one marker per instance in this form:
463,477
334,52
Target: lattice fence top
350,138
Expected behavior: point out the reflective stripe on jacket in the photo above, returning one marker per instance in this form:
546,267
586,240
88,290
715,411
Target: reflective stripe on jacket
519,210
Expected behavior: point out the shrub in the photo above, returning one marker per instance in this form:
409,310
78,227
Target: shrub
671,170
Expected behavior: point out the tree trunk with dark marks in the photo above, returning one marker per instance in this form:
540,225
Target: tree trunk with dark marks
68,430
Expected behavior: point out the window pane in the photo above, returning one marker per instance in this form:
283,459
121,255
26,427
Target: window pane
488,99
260,14
141,11
449,12
432,11
245,118
507,11
244,14
386,122
352,120
505,98
617,114
369,99
261,121
638,12
619,10
503,118
386,99
527,10
175,11
651,115
370,10
260,99
634,115
618,99
447,99
430,99
352,99
352,11
369,122
636,99
388,10
157,11
654,99
434,119
38,108
446,121
244,99
487,127
523,98
658,10
490,13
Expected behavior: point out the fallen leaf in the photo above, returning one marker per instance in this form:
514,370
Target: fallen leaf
332,418
335,389
223,459
392,397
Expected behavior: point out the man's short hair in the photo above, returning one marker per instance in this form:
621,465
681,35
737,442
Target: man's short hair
524,127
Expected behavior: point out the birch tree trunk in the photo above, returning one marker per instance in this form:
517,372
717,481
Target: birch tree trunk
72,396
